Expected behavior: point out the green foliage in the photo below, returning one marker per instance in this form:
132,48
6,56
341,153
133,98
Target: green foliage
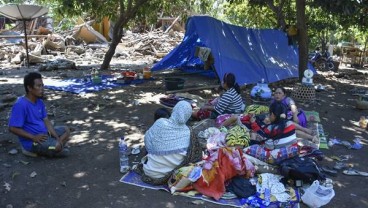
14,2
249,16
148,14
321,26
348,12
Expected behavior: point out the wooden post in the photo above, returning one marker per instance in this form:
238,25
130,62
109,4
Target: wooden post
172,24
25,37
33,26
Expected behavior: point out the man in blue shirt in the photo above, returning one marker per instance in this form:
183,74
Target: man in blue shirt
29,121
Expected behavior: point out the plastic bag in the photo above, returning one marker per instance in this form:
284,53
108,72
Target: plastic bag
317,195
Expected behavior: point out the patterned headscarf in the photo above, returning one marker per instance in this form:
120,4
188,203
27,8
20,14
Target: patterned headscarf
169,136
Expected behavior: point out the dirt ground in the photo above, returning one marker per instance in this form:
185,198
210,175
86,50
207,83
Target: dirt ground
89,177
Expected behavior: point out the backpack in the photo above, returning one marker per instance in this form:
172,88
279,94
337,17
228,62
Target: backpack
301,168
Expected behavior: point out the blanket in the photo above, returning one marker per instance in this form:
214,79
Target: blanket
133,178
80,85
322,137
314,122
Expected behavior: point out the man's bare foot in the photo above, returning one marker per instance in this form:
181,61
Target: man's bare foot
58,146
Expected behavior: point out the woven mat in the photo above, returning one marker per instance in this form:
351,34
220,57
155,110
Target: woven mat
133,178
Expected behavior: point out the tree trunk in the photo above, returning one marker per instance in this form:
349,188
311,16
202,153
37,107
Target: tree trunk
277,9
302,36
362,55
116,37
126,13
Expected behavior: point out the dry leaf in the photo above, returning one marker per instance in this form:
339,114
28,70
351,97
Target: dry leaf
7,186
13,152
33,174
24,162
15,173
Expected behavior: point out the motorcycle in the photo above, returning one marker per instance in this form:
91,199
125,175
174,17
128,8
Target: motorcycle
322,62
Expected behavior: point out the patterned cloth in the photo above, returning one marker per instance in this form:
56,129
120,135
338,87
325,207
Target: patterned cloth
256,109
220,166
275,137
272,182
238,136
272,156
169,136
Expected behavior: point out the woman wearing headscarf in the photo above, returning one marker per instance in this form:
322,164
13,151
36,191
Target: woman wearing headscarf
170,145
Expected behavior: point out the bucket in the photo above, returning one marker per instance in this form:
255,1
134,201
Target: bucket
96,80
174,83
147,73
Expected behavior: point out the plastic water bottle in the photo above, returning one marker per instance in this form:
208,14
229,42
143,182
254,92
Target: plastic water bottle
267,197
124,156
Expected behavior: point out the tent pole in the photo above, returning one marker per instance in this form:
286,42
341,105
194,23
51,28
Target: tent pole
26,39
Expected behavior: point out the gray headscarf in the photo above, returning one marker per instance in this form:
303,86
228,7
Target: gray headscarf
169,136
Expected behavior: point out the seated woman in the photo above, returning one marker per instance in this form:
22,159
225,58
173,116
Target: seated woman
280,140
230,102
295,114
170,145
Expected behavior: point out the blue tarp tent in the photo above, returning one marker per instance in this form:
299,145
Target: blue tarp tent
251,54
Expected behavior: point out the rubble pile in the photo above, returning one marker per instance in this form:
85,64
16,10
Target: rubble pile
84,46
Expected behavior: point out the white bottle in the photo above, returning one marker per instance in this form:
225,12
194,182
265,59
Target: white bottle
124,156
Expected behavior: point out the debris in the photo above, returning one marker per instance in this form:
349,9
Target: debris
33,174
357,144
6,165
89,35
7,186
362,102
24,162
63,183
13,151
15,173
363,122
197,202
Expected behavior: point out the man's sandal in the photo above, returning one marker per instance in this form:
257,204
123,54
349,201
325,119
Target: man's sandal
353,172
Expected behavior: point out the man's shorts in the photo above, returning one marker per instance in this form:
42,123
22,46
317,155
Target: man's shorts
47,147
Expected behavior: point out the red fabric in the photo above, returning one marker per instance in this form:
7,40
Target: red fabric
223,172
245,119
203,114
